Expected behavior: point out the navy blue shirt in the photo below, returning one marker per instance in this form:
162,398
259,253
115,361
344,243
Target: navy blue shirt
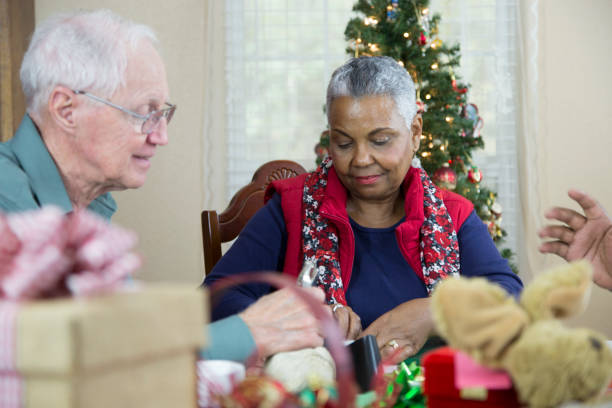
381,278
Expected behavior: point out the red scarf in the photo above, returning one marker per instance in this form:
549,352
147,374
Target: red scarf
438,239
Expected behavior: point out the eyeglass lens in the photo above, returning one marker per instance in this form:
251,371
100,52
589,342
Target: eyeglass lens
149,125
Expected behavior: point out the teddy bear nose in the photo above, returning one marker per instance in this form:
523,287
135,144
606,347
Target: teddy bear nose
595,343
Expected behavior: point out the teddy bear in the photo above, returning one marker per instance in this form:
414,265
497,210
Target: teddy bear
549,364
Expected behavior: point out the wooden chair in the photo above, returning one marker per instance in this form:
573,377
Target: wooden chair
224,227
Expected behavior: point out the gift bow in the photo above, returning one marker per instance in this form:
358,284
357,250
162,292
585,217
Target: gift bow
45,253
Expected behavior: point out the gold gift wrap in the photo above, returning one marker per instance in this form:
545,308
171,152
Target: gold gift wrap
126,349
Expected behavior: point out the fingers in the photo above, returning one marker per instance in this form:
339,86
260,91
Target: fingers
559,232
317,293
349,321
590,206
555,247
394,351
274,331
572,218
292,340
342,317
354,329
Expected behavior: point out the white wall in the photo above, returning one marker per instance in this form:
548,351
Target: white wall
573,124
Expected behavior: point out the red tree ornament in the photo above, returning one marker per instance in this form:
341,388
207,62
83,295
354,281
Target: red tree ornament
420,106
457,89
422,39
445,177
474,175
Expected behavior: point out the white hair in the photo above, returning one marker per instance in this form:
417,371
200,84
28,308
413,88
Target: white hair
369,76
82,50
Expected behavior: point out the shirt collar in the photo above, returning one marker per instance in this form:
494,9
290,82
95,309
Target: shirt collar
44,177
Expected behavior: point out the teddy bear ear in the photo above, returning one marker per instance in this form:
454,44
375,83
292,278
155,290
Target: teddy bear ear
560,292
477,317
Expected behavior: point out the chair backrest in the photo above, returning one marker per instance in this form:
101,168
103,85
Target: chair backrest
224,227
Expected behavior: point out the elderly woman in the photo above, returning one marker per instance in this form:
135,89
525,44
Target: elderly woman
380,232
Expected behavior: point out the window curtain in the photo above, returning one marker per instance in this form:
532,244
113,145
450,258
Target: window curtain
214,172
529,153
279,57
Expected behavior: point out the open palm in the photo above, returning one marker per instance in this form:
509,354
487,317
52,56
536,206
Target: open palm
586,236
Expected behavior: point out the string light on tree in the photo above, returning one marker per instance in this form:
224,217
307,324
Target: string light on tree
370,21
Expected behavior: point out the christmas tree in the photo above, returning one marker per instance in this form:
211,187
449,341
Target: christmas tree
406,31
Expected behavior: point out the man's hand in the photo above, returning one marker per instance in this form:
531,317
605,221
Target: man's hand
586,236
281,321
349,322
403,330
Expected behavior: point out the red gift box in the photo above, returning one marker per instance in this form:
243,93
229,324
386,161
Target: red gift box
441,390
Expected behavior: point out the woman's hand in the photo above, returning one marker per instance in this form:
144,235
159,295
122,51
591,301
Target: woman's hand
402,331
586,236
349,322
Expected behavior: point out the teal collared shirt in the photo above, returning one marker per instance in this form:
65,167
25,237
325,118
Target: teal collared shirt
229,339
29,177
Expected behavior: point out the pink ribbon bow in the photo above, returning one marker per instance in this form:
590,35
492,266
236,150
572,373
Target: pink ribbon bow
46,253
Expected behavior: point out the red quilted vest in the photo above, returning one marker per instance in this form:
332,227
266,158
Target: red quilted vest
333,208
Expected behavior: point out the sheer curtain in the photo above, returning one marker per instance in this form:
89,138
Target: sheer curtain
528,147
279,57
487,31
280,54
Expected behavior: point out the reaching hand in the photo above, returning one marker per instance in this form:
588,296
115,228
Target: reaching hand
349,322
404,328
281,321
586,236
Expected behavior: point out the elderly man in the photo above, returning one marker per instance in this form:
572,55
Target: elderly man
97,108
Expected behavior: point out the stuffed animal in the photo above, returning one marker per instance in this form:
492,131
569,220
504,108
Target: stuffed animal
549,363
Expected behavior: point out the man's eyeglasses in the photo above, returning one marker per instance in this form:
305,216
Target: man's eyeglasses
149,121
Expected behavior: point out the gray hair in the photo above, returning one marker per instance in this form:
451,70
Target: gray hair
369,76
82,50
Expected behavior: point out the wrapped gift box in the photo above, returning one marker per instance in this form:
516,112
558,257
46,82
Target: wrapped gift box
442,390
126,349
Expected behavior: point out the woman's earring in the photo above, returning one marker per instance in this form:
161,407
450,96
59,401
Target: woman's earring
415,161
